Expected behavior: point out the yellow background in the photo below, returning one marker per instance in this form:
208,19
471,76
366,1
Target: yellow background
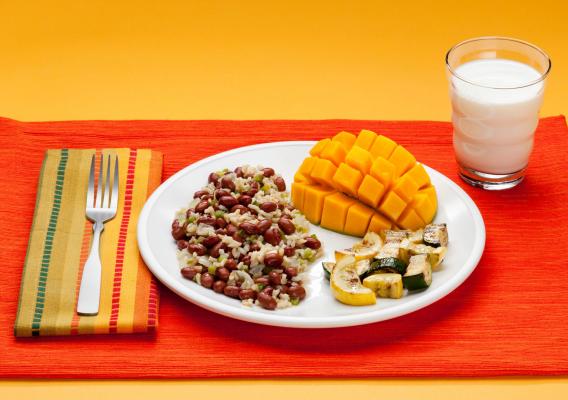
259,60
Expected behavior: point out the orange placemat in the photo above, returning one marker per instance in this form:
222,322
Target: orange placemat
508,318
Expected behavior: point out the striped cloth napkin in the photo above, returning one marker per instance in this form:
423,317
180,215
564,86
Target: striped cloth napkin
59,244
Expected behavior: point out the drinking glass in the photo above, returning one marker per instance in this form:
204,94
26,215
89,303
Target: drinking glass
496,90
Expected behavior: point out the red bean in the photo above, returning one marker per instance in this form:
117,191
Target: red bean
240,207
178,232
255,186
206,220
216,250
267,301
219,286
312,243
251,192
275,278
182,244
262,280
221,192
245,294
190,272
210,241
254,247
267,172
231,229
263,225
220,222
207,280
222,273
200,193
297,292
268,206
228,201
272,236
287,226
213,178
249,228
239,172
237,236
231,264
267,290
196,248
289,251
228,183
220,231
283,289
202,206
246,259
280,184
273,260
245,200
231,291
291,271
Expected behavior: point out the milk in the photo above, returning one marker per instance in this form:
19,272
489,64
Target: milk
494,128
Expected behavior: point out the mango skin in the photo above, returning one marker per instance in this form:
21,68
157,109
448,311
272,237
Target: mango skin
353,184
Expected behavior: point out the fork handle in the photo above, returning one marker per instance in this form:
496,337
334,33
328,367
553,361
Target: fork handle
90,290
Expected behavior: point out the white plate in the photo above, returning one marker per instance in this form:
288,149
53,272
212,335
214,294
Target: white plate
319,309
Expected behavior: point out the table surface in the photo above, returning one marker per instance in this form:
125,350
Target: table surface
259,60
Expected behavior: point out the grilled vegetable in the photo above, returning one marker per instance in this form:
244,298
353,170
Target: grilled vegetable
327,268
435,254
436,235
416,237
418,274
390,236
346,286
363,250
385,285
385,265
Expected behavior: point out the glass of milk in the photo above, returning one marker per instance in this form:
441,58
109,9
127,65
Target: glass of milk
496,89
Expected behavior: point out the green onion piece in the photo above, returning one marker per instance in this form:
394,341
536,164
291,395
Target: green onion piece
260,286
259,178
266,188
295,301
219,214
212,270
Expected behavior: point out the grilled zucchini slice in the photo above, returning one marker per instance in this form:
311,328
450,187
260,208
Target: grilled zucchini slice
385,265
435,254
385,285
418,274
436,235
327,268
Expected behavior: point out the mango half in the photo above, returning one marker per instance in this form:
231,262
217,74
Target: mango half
367,182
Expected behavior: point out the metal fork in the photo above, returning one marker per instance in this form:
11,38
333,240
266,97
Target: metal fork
99,210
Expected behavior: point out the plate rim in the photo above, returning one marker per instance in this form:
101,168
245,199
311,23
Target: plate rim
288,321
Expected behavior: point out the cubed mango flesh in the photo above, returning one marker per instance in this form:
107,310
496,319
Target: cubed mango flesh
345,138
359,159
365,139
323,172
409,219
405,187
353,184
378,223
383,170
298,190
371,191
382,147
319,146
392,206
313,202
358,218
334,152
402,159
347,179
419,175
335,207
423,206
